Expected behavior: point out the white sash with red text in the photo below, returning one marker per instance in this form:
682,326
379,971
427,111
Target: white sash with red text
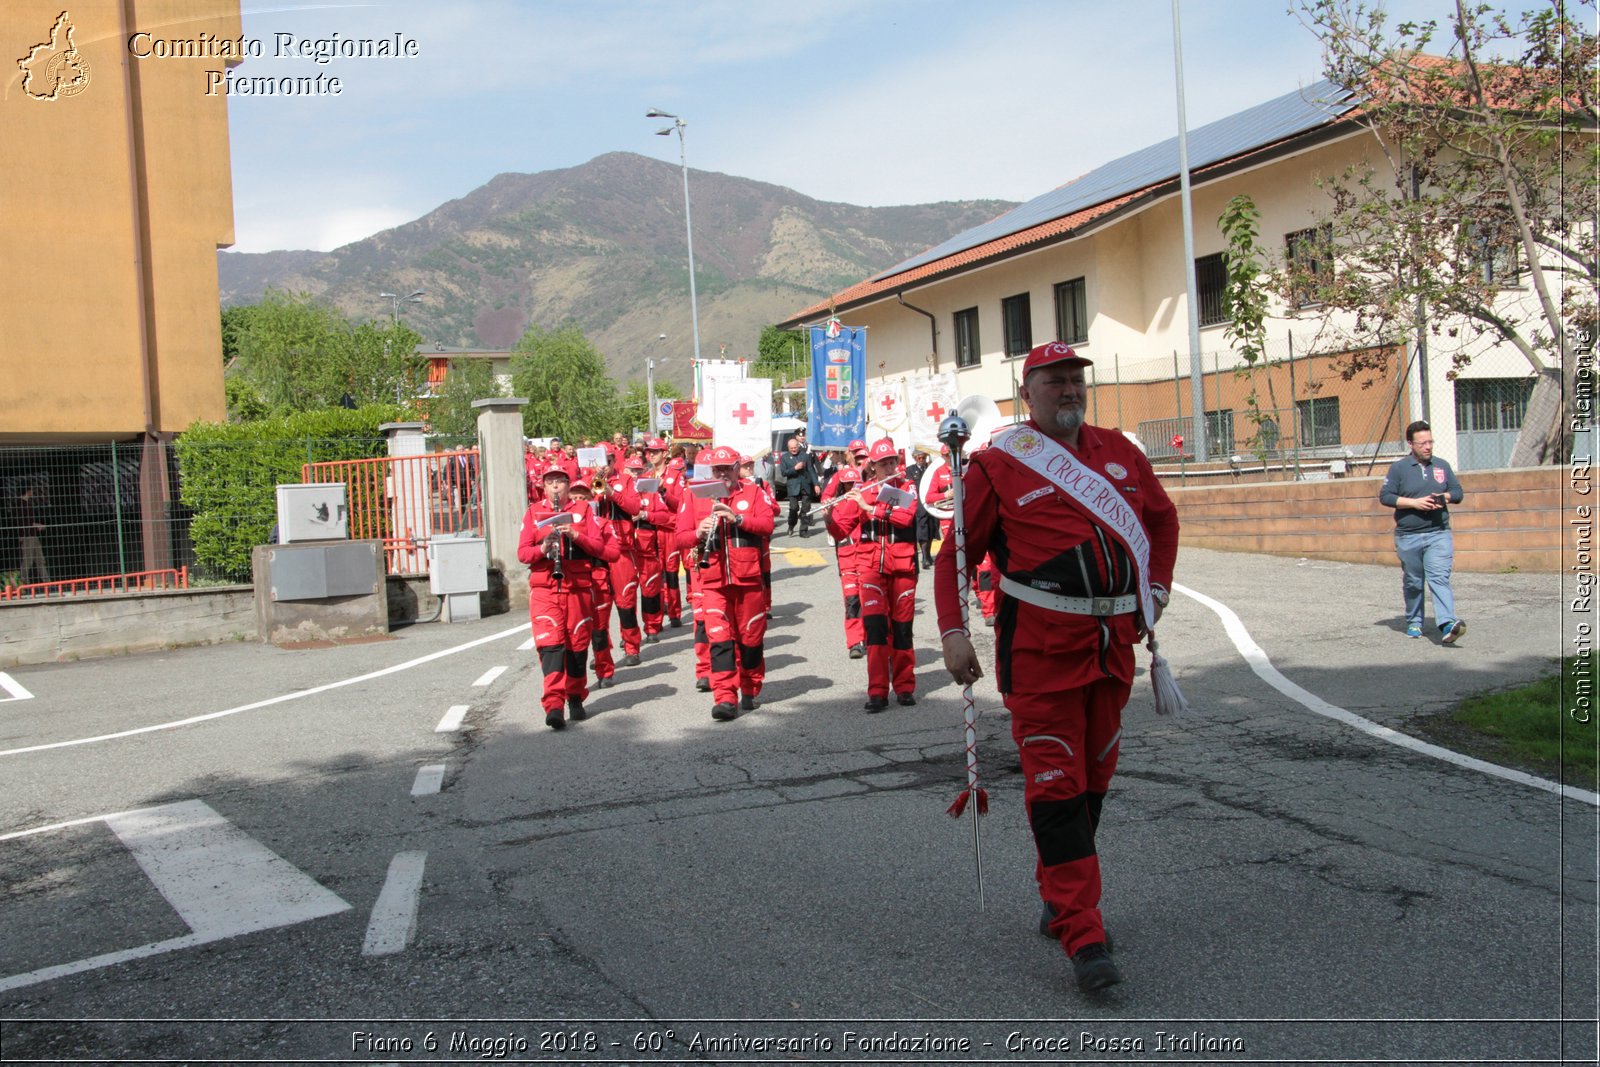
1086,488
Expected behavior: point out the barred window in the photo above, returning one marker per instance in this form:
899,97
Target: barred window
1072,318
968,352
1211,279
1017,316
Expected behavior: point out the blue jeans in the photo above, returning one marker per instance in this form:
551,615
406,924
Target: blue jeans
1426,557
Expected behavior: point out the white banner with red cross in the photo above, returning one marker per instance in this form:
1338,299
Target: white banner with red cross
741,414
886,406
932,399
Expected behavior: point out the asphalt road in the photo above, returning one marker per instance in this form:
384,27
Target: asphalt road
263,884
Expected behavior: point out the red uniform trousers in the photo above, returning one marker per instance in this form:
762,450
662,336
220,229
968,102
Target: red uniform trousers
1069,741
987,586
600,632
562,618
702,643
671,594
888,604
850,584
736,626
652,564
625,595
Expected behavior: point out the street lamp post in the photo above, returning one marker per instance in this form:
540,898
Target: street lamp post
650,429
688,226
395,300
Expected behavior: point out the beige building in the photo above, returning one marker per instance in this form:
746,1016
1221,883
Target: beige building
1100,263
117,194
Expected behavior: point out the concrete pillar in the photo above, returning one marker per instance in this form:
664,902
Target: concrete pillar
505,487
410,493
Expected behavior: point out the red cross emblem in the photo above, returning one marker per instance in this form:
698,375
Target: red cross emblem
936,412
743,414
887,403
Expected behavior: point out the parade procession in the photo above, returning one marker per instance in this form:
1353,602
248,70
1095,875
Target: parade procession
1059,530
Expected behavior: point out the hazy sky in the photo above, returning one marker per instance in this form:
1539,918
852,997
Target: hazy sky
864,101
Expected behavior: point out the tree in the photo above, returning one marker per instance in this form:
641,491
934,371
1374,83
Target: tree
451,413
564,378
636,398
785,356
299,354
1491,176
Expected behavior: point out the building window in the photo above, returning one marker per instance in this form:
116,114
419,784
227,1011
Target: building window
1018,319
1319,421
1219,431
1211,279
968,352
1072,318
1310,257
1484,404
1494,254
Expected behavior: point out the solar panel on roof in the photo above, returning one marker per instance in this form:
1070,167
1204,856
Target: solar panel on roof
1292,113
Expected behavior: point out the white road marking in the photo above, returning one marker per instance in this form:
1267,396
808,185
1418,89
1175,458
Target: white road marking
488,676
452,718
394,917
430,780
526,646
221,882
419,661
14,687
1258,661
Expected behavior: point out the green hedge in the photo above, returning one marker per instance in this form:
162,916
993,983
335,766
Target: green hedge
229,473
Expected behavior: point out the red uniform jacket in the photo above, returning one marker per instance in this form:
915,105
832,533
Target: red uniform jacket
622,505
885,538
1036,535
591,542
732,556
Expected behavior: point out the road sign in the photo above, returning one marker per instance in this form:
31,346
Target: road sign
663,415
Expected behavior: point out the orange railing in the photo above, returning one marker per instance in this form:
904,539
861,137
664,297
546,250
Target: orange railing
137,582
404,501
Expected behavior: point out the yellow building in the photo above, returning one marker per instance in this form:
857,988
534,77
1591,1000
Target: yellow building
115,193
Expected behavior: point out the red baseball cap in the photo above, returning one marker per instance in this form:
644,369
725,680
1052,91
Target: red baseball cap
633,463
883,448
581,486
655,444
849,474
557,472
721,456
1051,353
857,445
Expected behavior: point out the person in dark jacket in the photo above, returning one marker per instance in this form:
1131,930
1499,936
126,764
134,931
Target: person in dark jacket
1420,487
797,468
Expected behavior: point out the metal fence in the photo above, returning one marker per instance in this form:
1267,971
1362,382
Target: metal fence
406,501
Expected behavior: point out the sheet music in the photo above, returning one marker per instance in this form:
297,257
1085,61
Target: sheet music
560,518
709,490
895,497
647,485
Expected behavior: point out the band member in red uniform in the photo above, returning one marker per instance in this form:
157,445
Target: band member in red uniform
654,530
726,534
886,568
622,506
600,598
560,561
673,474
842,521
1073,584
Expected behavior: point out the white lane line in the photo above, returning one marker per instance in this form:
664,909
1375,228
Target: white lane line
220,881
14,687
452,718
488,676
430,780
526,646
394,917
419,661
1258,661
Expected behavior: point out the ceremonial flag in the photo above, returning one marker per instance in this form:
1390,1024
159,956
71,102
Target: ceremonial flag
887,405
685,427
742,417
838,414
931,400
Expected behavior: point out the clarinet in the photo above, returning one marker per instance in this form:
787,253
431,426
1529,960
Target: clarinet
561,553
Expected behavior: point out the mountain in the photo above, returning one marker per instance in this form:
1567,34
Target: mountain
602,244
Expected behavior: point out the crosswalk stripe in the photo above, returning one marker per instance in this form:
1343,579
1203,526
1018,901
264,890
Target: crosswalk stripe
394,917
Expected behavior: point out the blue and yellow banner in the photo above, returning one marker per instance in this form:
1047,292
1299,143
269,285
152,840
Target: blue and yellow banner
837,413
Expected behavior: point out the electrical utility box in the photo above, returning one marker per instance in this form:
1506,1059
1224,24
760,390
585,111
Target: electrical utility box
312,511
458,570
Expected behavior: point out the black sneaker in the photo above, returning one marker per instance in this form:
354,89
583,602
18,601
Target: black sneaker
556,719
747,702
724,712
1455,631
651,639
575,709
1048,916
906,700
676,621
604,683
876,704
857,651
1093,968
631,659
702,685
